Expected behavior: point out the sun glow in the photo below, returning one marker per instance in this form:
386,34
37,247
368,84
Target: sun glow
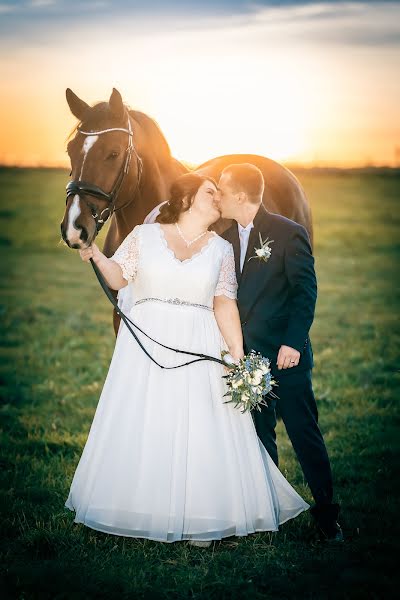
233,110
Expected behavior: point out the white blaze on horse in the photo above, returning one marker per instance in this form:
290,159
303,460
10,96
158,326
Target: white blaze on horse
122,170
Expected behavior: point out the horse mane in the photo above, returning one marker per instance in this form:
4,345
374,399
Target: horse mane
154,137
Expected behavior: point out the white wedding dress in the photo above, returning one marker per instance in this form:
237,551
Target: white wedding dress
165,458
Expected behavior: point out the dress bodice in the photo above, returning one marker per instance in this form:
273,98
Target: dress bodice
153,271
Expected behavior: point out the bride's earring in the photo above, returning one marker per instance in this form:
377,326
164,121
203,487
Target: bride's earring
190,210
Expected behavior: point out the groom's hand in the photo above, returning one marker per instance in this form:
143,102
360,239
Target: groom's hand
287,357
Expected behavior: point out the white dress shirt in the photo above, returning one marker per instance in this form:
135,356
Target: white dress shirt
244,233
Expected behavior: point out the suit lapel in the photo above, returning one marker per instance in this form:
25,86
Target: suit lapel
232,235
252,284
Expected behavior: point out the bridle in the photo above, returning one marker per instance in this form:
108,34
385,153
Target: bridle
84,188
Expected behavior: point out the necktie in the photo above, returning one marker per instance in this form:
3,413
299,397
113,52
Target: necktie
244,240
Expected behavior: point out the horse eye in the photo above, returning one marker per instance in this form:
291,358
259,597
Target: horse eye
113,155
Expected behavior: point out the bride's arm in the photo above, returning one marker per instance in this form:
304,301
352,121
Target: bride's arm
110,270
227,316
121,267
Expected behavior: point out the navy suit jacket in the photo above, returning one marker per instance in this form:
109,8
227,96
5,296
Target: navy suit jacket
276,299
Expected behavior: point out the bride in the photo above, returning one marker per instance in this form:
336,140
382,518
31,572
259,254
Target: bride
166,458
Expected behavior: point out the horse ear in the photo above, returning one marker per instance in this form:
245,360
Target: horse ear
78,107
116,104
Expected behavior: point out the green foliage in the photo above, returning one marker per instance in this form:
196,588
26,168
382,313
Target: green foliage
56,344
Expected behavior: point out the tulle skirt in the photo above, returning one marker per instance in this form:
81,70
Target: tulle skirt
166,459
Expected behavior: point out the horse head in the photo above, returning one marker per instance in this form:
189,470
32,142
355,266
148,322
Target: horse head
104,178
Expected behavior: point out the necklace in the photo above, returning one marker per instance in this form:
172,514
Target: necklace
192,241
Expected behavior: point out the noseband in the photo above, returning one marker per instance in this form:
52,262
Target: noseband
84,188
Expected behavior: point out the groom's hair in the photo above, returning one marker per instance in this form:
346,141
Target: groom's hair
245,177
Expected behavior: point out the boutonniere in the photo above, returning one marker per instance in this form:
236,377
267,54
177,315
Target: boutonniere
264,251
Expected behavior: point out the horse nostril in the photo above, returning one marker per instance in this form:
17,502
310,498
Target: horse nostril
84,234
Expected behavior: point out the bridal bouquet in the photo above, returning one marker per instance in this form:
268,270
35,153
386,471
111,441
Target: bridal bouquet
249,381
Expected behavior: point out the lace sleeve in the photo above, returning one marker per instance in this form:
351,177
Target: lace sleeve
227,284
127,255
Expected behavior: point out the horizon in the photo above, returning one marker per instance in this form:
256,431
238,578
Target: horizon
289,165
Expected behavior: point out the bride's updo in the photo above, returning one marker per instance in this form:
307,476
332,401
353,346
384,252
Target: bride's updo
186,186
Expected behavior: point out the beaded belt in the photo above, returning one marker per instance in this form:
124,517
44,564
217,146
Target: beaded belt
176,301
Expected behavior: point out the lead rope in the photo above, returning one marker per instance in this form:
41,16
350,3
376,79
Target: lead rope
202,357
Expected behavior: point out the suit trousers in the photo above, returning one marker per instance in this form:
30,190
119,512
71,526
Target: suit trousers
297,407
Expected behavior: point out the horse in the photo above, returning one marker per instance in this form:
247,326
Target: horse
104,162
108,136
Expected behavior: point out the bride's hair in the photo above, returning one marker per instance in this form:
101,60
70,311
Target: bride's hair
186,186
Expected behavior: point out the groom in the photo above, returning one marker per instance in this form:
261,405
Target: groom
276,300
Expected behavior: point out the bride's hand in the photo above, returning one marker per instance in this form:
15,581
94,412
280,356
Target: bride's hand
92,251
236,356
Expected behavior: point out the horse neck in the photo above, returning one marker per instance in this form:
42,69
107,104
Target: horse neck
154,188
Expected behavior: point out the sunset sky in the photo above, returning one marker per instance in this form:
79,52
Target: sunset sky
305,82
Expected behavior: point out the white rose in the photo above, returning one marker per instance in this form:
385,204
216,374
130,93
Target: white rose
257,377
260,252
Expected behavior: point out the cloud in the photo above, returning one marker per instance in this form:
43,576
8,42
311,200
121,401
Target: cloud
42,3
347,23
356,23
8,8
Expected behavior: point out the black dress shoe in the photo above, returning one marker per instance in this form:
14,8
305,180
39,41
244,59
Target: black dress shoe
325,516
333,534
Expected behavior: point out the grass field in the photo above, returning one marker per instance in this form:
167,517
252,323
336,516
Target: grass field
56,344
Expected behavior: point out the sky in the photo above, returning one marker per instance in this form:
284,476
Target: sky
313,83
